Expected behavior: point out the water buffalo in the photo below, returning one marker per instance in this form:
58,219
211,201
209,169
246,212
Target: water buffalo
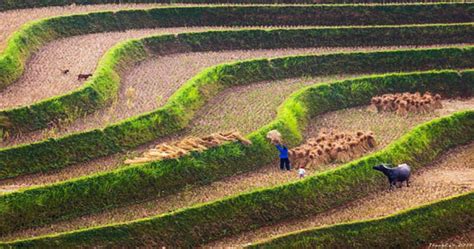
397,174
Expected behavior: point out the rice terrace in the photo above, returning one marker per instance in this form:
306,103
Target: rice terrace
236,124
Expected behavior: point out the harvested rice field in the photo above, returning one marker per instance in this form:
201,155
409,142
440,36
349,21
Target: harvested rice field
386,126
12,20
113,134
438,180
44,77
267,176
239,114
150,92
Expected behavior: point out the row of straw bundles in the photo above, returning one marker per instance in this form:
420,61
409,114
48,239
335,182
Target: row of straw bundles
332,146
403,103
183,147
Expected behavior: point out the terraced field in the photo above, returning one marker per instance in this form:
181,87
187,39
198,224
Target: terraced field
451,174
12,20
161,73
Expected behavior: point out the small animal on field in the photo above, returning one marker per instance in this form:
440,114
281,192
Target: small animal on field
83,76
65,71
395,175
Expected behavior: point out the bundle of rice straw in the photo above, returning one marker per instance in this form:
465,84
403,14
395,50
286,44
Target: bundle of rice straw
274,136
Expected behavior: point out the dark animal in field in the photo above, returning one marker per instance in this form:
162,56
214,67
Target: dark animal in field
83,76
395,175
66,71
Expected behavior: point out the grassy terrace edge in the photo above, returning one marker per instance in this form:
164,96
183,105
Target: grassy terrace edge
41,205
180,108
189,227
37,33
105,83
409,228
22,4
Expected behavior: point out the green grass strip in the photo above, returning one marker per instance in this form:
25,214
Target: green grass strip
44,204
411,228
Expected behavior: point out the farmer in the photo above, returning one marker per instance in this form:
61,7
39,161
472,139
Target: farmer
284,160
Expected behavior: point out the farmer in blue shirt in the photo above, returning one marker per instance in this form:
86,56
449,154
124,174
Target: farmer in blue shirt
284,161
